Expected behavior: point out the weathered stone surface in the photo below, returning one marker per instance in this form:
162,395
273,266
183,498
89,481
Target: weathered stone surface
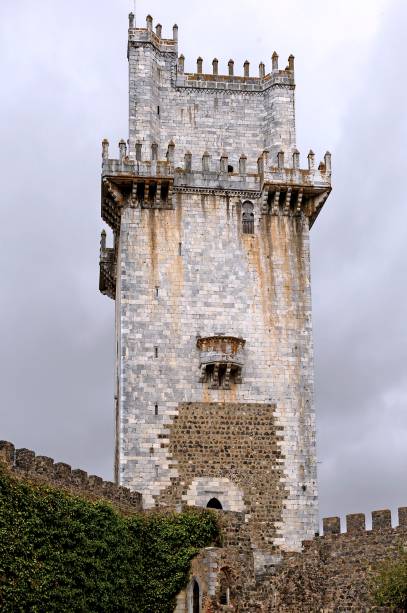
251,286
211,214
231,452
332,574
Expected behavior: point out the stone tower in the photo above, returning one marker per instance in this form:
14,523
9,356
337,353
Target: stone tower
210,212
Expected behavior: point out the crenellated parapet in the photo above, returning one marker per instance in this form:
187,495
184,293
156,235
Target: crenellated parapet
25,464
147,36
356,523
233,82
280,185
230,81
290,190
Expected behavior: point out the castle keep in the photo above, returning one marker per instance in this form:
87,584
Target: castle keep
210,211
208,264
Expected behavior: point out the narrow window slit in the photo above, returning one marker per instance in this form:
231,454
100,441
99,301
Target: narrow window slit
156,409
156,352
156,291
179,248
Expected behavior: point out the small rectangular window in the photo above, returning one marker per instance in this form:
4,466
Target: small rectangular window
156,291
156,352
156,409
158,110
179,248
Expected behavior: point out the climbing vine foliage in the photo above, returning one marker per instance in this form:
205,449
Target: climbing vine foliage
63,553
390,583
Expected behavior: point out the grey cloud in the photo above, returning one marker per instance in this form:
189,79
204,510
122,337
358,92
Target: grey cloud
359,285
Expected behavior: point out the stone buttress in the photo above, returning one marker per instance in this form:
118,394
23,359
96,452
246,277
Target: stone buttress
210,212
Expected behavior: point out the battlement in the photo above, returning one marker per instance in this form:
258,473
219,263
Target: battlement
215,111
146,36
231,81
24,463
280,183
356,523
278,167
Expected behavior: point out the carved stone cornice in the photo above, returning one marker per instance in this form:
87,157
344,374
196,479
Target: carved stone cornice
192,89
250,194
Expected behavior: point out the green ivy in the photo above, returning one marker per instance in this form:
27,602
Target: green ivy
59,552
390,584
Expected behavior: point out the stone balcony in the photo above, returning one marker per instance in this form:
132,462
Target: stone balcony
221,360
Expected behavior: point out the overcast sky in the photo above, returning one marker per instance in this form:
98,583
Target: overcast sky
64,88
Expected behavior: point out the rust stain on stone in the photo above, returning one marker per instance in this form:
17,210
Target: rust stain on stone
175,263
152,243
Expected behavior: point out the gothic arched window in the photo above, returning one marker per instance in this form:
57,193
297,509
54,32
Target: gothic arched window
214,504
248,217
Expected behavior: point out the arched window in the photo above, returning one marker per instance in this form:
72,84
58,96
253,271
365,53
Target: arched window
248,217
195,598
214,504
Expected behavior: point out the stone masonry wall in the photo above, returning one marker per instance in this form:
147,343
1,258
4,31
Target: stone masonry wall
191,272
25,464
218,114
332,574
231,444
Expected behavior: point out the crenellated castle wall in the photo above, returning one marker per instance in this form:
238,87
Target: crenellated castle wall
333,573
25,464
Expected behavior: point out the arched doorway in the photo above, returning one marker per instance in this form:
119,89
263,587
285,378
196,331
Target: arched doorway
195,598
214,504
